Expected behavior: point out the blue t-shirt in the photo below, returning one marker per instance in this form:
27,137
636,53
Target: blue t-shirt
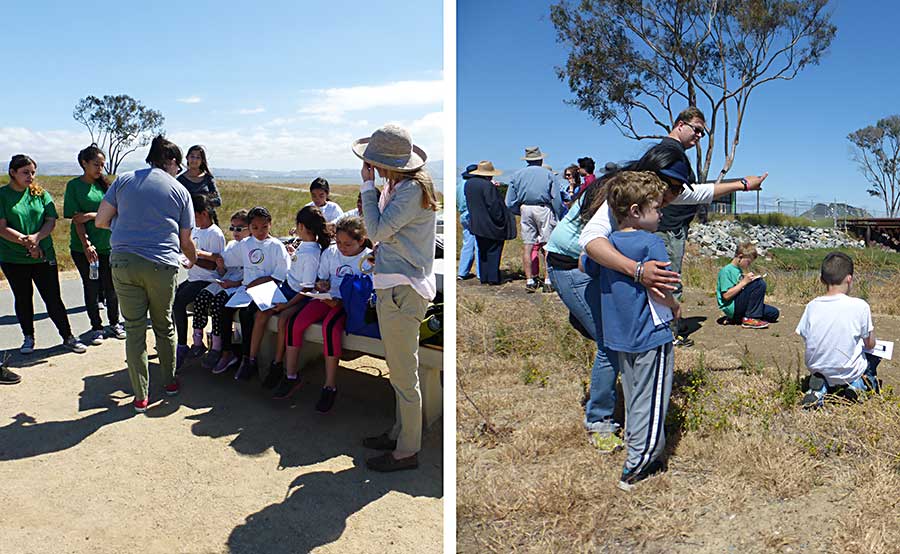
627,321
151,208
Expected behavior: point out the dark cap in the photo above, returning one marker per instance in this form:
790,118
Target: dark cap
679,171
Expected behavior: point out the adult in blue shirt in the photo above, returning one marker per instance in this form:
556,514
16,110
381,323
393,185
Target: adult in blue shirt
469,253
534,194
151,218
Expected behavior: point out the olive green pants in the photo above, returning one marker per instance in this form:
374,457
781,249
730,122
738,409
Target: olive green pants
400,313
144,286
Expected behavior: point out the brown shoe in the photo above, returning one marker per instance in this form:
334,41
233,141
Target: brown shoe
381,442
387,463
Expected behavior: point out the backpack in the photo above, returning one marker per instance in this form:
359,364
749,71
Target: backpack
358,296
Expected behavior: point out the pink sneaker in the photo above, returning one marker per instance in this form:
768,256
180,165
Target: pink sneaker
172,388
140,406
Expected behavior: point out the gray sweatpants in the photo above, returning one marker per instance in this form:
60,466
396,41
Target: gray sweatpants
647,384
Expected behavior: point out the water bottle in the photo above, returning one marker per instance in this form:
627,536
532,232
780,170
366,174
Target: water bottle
95,270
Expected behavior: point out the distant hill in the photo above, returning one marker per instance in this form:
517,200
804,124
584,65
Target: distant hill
336,176
821,211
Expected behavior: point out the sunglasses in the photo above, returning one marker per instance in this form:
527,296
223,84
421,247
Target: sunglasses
569,176
234,229
699,131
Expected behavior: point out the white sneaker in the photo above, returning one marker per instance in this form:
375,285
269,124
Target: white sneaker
117,331
75,345
27,345
95,337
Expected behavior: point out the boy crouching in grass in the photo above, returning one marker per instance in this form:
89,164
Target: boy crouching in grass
836,328
635,327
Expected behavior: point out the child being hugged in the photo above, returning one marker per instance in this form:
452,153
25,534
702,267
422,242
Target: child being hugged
635,327
263,258
210,302
836,328
740,293
314,236
209,242
351,255
319,192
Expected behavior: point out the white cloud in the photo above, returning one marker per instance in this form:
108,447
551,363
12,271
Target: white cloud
190,100
330,105
42,145
251,111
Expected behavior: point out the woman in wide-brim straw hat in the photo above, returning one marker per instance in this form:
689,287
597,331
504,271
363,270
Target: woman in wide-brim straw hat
402,222
492,223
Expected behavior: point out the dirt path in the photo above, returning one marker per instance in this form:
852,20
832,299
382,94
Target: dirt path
220,468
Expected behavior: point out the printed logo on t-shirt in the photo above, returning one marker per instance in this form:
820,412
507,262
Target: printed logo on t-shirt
256,256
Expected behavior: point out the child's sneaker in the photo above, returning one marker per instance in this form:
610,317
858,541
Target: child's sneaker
815,395
629,479
532,286
95,337
287,387
224,364
196,351
7,377
211,359
27,345
750,323
247,370
276,371
548,287
605,443
75,345
326,400
117,331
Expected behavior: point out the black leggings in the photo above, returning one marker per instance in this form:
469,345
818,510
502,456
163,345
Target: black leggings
93,288
186,292
247,317
205,306
46,278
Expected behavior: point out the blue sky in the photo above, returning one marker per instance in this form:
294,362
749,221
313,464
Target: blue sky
265,85
509,98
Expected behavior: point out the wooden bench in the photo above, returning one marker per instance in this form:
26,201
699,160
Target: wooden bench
431,361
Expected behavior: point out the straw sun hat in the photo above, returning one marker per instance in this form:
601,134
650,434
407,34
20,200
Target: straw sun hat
390,148
485,169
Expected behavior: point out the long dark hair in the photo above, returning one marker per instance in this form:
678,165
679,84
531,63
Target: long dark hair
311,217
19,161
161,151
90,154
654,159
204,166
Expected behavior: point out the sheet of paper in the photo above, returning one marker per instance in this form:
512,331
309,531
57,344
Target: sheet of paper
239,299
315,294
266,295
883,349
662,314
214,288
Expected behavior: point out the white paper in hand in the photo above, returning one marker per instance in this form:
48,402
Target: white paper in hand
883,349
661,313
266,295
239,299
317,294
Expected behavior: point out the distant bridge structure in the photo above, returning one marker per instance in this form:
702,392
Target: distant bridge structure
874,230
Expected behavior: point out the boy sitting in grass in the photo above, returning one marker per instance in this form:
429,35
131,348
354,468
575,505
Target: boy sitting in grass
635,327
740,293
836,328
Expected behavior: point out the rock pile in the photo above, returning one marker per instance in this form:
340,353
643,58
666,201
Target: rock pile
720,238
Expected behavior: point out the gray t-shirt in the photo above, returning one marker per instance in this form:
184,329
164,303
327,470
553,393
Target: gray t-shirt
152,207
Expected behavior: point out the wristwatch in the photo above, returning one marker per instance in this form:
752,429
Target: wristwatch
745,183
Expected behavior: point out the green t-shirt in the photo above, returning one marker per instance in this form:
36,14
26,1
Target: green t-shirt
84,197
729,276
25,213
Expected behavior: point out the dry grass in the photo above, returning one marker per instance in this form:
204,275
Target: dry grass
748,470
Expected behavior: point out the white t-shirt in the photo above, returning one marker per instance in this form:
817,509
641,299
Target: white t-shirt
210,240
834,328
330,210
267,258
352,213
603,223
333,266
304,266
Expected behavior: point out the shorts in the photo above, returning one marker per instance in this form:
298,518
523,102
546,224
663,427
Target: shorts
287,291
537,224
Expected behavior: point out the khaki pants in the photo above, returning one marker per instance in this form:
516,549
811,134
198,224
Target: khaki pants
143,286
400,313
